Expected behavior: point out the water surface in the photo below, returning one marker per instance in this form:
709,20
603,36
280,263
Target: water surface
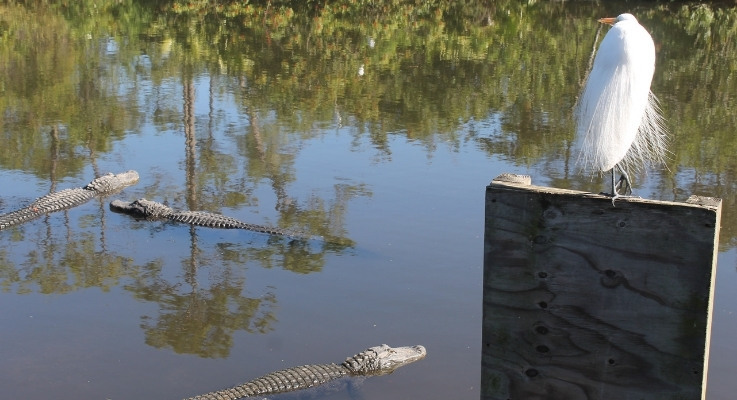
378,132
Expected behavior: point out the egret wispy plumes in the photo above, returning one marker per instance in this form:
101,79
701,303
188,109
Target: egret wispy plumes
618,117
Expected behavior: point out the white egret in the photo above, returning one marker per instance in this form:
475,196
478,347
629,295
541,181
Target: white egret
617,116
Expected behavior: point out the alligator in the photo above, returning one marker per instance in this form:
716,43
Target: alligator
378,360
148,209
68,198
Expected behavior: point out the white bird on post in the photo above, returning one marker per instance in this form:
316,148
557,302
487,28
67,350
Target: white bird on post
617,116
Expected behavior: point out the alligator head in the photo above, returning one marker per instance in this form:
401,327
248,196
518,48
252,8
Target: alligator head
380,360
141,208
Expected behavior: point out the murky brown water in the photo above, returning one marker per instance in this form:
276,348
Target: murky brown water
379,136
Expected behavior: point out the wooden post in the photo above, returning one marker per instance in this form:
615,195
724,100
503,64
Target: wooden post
585,300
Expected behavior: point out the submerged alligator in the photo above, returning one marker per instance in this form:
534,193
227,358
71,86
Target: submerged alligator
68,198
379,360
148,209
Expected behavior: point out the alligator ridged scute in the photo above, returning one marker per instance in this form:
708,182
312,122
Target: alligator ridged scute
148,209
378,360
68,198
286,380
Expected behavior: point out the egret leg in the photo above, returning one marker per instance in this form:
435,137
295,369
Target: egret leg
624,181
613,193
615,184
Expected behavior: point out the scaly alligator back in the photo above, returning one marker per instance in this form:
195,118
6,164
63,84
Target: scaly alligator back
378,360
282,381
143,208
211,220
110,183
69,198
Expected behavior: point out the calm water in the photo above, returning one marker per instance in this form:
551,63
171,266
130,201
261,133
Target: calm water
381,137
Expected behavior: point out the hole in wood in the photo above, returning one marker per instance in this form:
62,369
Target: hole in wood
612,278
542,304
551,213
532,372
541,330
540,239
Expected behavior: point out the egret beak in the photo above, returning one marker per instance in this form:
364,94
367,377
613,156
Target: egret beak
610,20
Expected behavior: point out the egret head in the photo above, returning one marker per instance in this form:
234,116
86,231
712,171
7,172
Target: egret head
619,18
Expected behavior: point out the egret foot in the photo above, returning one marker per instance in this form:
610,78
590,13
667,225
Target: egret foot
622,183
620,196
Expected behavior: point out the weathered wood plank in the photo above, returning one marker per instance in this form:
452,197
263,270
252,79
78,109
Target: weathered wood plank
585,300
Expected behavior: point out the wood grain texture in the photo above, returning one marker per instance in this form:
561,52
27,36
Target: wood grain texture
583,300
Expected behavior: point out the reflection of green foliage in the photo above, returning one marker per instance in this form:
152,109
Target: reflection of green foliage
428,66
55,89
203,321
56,269
699,79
